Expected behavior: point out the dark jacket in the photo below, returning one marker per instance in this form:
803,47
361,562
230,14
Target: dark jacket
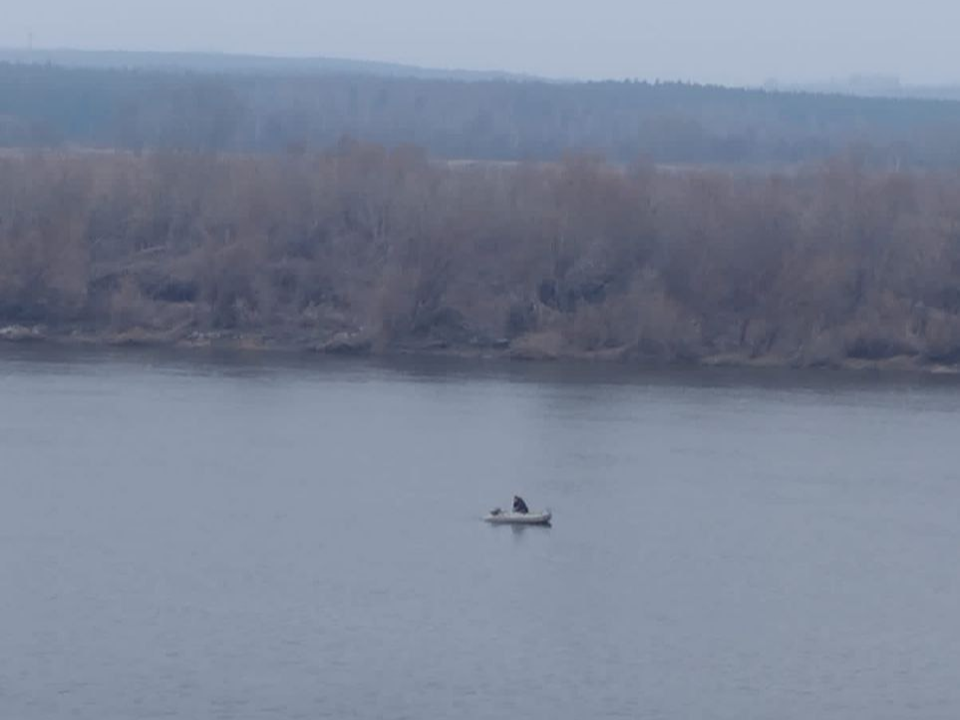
519,506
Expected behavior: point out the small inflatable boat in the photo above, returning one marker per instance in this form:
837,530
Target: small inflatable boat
499,517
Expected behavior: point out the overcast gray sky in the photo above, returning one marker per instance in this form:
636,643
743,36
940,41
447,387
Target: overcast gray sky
727,41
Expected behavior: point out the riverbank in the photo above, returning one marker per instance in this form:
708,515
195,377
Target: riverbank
504,351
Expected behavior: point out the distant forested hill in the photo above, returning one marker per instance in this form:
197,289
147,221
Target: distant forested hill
201,62
234,106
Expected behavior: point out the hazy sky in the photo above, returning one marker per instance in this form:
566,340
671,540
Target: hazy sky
728,41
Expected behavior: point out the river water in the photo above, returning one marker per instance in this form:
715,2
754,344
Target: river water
202,536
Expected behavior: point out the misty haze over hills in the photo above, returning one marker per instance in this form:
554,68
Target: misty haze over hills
231,63
138,101
878,86
734,43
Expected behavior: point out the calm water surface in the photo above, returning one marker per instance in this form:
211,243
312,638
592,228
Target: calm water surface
187,536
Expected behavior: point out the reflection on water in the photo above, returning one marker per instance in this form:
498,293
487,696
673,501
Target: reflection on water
194,534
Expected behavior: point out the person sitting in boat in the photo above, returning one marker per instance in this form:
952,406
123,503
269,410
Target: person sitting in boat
519,506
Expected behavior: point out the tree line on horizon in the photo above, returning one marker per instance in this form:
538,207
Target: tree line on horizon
48,106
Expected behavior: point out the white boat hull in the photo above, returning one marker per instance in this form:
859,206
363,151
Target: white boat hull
512,518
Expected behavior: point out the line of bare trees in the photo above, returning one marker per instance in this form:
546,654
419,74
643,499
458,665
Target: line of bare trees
362,248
